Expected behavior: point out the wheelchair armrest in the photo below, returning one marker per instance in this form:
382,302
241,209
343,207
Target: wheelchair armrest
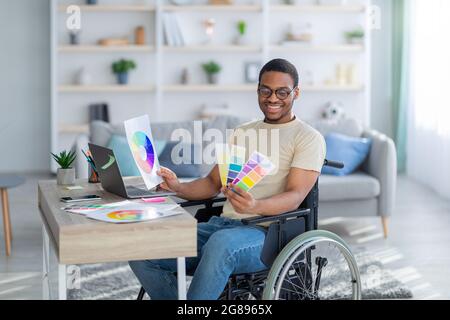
284,216
206,202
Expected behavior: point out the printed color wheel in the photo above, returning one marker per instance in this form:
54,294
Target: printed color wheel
141,142
127,215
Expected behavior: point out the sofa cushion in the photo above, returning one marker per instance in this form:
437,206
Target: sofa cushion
348,126
351,151
183,170
352,187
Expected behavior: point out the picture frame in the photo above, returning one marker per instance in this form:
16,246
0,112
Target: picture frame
252,71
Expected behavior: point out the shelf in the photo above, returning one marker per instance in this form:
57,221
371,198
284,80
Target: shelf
220,8
105,88
111,8
73,128
319,8
213,48
98,48
332,88
251,88
319,48
209,88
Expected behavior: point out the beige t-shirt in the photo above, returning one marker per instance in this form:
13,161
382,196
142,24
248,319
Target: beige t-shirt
290,145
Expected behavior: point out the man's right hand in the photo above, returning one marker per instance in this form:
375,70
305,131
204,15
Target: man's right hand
171,181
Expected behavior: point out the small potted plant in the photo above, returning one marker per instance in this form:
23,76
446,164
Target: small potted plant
65,174
355,36
212,70
121,69
241,28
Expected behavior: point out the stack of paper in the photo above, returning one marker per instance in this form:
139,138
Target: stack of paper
125,211
131,214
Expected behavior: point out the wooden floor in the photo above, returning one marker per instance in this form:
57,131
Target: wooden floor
417,250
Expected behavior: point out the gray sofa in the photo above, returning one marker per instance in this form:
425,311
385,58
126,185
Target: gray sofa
368,192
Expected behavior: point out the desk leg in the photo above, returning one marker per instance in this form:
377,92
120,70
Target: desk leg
181,272
62,282
45,265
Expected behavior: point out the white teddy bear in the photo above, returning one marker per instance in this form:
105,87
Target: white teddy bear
333,111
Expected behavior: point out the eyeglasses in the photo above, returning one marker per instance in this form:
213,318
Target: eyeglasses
282,93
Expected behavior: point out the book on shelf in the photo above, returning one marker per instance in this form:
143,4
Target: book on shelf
172,31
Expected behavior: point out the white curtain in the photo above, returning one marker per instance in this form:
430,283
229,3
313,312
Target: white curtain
429,119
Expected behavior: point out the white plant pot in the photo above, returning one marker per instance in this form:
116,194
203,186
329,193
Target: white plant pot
241,40
65,176
213,78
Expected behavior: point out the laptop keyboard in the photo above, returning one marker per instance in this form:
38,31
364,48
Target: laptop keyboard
133,191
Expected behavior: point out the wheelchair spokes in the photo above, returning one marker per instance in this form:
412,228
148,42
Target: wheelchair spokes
314,268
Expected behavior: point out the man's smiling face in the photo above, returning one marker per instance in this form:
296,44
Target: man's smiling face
277,110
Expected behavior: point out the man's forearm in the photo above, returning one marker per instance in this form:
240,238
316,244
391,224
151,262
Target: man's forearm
281,203
200,189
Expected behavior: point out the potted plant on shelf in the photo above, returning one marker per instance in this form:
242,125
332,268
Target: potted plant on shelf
242,28
212,70
355,36
121,69
65,174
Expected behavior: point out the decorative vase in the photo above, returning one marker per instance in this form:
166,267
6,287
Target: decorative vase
122,78
140,36
65,176
83,77
74,38
213,78
240,40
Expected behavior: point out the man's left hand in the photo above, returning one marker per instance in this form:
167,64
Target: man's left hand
241,200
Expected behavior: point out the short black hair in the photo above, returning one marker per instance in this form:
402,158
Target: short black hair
280,65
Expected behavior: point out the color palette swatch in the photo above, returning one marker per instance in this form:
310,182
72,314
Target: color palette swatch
85,209
223,161
236,163
143,151
256,168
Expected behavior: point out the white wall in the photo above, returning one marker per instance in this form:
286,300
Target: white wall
24,85
25,82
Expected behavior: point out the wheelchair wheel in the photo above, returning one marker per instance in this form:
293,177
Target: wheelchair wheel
316,265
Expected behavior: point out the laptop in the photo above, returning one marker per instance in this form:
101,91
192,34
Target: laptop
111,179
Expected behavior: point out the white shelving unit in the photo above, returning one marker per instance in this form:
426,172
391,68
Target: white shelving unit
156,90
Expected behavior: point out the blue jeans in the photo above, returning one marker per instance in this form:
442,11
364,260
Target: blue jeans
224,247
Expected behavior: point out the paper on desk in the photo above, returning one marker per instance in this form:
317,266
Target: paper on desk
131,214
141,143
88,208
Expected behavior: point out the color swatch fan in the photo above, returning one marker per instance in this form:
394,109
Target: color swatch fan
140,141
237,160
256,168
223,161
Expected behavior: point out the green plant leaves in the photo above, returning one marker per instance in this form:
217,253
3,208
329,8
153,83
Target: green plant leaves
64,159
123,66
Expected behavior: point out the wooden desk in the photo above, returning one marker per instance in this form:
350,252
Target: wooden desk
79,240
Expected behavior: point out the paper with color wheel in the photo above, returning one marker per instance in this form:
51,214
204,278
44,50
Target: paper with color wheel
134,213
141,143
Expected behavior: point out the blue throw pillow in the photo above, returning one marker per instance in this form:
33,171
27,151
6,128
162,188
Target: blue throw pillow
349,150
124,157
183,170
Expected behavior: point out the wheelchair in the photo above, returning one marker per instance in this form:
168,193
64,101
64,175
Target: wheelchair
303,263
